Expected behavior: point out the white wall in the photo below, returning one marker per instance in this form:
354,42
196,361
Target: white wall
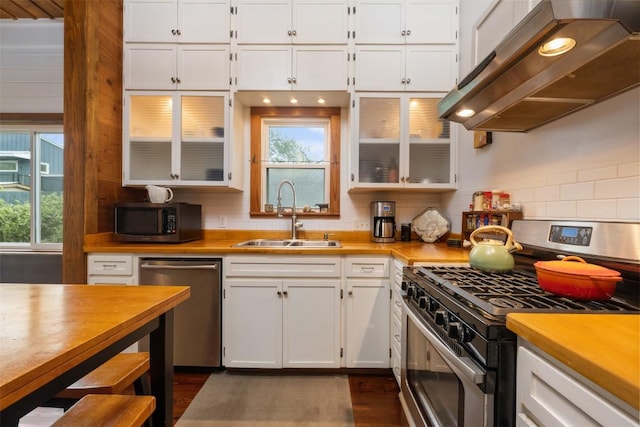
584,166
31,66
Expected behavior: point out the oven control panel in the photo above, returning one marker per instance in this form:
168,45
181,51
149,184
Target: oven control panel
570,235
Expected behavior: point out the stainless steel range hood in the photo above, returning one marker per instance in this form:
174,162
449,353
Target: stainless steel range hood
517,89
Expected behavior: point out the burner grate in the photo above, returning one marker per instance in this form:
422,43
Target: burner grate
502,293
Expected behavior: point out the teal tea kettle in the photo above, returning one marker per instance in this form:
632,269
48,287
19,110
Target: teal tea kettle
491,255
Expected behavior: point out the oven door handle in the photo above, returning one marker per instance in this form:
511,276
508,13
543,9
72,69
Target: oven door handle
464,365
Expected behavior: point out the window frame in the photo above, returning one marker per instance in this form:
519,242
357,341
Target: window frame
33,129
257,160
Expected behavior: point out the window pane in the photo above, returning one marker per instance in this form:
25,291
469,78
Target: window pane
50,218
308,182
298,144
15,187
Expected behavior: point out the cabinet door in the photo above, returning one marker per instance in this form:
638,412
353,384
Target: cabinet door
431,21
264,68
429,154
264,21
320,68
202,156
150,66
367,323
252,336
377,139
204,21
430,68
380,68
379,21
320,22
150,21
311,323
203,67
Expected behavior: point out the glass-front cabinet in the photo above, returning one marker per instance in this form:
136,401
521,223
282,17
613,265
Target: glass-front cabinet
400,142
176,138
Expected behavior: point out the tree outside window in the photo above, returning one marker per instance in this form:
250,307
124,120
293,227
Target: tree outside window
31,187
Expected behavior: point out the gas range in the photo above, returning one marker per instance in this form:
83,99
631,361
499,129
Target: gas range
461,313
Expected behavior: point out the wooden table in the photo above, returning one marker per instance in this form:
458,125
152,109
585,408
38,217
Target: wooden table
52,335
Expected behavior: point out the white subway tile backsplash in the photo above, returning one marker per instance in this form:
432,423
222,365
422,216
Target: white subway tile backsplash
629,169
628,209
618,188
543,194
561,209
608,172
563,178
597,209
578,191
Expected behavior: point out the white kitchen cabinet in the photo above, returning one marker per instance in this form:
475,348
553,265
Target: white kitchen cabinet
550,393
110,269
404,132
176,138
406,21
412,68
367,312
499,18
177,21
176,67
291,22
281,312
280,67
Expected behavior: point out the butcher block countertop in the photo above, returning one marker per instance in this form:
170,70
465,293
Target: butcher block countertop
605,348
222,243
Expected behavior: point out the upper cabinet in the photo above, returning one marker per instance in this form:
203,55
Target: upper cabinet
176,138
177,21
400,143
176,66
291,22
406,21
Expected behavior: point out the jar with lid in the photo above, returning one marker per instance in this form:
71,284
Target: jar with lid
487,201
478,201
392,171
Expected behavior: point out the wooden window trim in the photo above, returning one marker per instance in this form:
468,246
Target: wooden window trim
259,113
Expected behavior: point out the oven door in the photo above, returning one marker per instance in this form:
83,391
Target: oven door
439,388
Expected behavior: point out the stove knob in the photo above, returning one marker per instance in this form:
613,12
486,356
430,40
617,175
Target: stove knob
404,285
456,331
422,302
440,317
433,305
411,290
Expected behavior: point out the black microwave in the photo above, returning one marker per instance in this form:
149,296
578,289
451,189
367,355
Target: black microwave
157,222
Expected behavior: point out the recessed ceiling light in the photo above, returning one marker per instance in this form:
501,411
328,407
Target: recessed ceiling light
293,101
557,46
321,101
466,112
266,101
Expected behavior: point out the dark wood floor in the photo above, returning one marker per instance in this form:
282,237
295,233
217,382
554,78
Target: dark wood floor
374,396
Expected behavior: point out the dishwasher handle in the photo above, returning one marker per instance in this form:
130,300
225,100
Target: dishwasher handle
179,267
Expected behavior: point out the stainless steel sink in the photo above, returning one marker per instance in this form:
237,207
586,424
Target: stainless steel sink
289,243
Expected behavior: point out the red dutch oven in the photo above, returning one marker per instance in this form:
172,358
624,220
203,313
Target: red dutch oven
579,280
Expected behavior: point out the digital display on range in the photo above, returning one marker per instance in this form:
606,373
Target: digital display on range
570,235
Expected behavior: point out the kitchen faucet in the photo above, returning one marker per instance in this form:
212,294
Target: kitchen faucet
294,224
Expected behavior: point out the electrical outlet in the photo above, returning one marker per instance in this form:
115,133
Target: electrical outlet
223,221
361,224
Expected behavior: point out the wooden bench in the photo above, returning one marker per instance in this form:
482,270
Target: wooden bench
108,410
114,376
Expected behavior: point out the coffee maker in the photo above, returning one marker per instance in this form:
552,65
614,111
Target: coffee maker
383,222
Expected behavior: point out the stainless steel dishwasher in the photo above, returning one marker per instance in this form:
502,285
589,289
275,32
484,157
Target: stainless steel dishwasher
198,320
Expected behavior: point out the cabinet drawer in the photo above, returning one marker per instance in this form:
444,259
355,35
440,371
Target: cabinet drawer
367,267
118,265
396,305
396,332
269,266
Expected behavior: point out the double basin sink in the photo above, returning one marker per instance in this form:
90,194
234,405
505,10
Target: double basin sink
288,243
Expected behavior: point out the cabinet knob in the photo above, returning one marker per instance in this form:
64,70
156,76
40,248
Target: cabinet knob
279,293
294,32
404,33
350,293
285,293
294,80
289,33
408,81
174,32
403,81
173,79
408,32
289,80
178,31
